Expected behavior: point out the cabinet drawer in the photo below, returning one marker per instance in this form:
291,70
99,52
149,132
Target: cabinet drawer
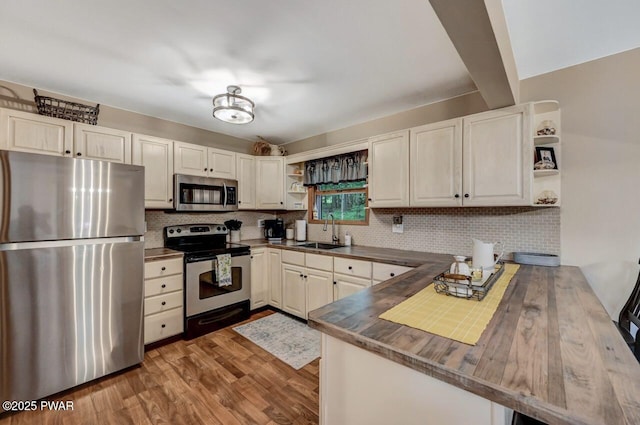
162,268
162,285
293,257
320,262
383,271
163,325
163,302
351,267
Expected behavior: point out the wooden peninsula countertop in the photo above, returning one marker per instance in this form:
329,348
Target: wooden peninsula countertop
550,351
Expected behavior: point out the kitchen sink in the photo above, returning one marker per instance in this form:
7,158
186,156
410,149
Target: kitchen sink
320,245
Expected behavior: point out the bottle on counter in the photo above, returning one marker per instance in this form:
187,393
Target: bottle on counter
347,239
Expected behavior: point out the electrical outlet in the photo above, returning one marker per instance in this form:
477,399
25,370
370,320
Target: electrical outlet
397,228
261,222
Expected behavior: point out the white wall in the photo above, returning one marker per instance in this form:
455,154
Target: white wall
600,215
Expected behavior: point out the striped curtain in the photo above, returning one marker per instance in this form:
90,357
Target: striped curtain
348,167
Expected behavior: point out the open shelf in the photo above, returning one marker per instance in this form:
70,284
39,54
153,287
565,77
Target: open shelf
296,175
544,106
545,140
297,192
540,173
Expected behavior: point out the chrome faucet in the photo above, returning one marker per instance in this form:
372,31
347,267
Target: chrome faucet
334,239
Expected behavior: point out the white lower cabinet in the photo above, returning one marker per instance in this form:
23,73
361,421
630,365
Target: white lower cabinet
294,290
259,278
163,299
319,288
275,277
348,285
382,271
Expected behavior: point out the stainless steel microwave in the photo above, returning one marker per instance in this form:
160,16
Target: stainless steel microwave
192,193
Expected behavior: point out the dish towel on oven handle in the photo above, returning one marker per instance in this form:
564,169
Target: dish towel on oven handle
224,269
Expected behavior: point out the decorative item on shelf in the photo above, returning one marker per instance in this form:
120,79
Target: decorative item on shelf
232,108
297,171
261,147
234,229
546,128
545,159
547,197
277,150
72,111
297,187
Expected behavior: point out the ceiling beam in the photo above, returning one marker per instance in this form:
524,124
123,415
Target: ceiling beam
479,33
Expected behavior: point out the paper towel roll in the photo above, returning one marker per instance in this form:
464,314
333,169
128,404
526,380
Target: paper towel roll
301,230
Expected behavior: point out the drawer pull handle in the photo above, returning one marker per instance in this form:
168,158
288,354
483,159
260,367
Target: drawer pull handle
350,268
164,303
163,268
392,274
163,286
164,326
335,283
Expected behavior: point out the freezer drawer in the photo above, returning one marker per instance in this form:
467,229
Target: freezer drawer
68,314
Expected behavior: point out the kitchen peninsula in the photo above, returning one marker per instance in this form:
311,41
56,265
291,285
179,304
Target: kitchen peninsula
550,351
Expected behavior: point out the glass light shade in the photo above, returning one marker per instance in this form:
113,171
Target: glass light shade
233,108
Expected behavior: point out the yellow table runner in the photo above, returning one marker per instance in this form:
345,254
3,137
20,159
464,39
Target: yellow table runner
449,316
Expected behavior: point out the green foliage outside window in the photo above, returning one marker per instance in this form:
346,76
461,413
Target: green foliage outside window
347,206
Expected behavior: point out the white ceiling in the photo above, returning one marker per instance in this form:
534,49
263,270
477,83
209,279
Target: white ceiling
547,35
310,66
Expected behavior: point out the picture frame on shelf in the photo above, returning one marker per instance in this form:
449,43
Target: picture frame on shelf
546,153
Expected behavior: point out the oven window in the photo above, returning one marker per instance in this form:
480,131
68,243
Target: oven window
209,285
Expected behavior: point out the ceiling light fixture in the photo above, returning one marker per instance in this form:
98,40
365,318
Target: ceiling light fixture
233,108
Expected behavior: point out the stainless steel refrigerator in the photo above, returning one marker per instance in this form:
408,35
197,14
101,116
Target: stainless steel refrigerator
71,272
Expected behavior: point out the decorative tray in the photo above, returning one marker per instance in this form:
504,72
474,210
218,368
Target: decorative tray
463,286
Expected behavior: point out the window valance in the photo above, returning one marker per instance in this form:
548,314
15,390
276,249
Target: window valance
335,169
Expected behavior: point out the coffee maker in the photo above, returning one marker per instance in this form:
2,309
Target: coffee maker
274,229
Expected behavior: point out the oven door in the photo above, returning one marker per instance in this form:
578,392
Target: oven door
203,293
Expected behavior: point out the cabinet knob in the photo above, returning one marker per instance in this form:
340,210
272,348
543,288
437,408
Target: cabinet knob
281,202
335,283
67,151
350,268
163,286
164,326
79,154
170,199
164,303
466,195
205,169
368,199
239,202
305,276
163,268
392,274
457,195
301,275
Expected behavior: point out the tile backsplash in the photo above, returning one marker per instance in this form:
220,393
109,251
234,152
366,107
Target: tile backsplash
157,220
449,230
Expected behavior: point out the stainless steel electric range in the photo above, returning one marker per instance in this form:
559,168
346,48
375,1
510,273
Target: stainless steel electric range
209,304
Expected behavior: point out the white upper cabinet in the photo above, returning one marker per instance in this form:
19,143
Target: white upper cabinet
156,155
436,164
270,182
28,132
496,159
389,170
246,174
190,159
102,143
222,164
196,160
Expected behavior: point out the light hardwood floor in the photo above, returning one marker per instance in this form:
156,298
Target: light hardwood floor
219,378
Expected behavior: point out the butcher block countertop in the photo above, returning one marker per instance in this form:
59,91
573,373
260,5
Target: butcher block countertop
366,253
550,351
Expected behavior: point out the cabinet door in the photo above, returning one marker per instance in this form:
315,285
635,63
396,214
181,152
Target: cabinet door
270,183
319,288
497,157
222,164
101,143
156,155
389,170
189,159
293,290
436,164
275,277
347,285
27,132
246,174
259,287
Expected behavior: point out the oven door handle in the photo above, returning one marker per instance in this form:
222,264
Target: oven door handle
224,203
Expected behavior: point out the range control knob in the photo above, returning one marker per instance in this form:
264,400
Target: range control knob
218,227
179,230
171,231
224,229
